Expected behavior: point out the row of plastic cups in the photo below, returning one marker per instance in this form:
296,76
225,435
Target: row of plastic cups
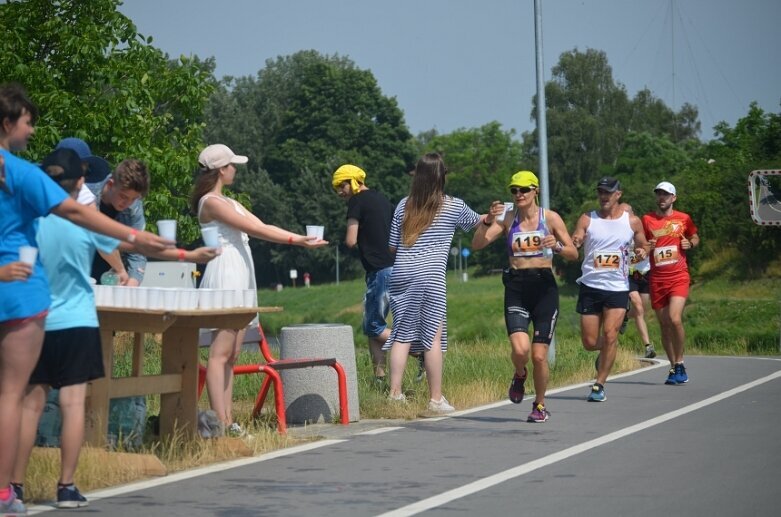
167,298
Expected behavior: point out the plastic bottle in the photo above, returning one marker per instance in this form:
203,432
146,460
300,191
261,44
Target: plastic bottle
109,278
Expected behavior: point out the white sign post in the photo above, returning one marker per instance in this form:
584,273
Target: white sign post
293,276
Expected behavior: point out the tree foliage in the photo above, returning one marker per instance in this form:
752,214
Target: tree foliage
94,76
303,116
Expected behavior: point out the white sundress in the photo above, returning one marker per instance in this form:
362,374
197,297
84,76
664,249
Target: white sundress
233,268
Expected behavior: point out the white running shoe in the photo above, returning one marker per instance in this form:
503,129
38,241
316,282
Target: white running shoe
398,398
441,406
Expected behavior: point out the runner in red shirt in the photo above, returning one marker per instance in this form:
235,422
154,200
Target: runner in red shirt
671,234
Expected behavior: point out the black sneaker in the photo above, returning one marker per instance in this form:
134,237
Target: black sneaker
68,496
517,389
650,353
18,490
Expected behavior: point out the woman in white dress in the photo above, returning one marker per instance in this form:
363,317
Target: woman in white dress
234,268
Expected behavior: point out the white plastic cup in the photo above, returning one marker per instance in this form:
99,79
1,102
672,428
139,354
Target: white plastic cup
219,299
211,236
206,299
140,297
166,228
250,298
169,298
28,254
507,208
154,299
121,295
315,231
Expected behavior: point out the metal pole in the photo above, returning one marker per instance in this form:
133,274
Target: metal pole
542,131
337,263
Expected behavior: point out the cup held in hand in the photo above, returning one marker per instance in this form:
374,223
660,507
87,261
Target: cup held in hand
211,237
508,207
315,231
166,228
28,254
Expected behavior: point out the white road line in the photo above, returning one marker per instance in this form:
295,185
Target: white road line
520,470
179,476
380,430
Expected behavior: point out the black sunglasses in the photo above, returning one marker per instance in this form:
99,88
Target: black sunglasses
521,190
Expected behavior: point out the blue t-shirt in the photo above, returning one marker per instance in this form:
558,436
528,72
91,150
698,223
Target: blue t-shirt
66,251
31,194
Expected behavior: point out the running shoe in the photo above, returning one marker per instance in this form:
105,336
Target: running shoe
18,490
650,353
539,414
597,393
440,406
680,374
12,506
68,496
517,389
235,430
397,398
671,378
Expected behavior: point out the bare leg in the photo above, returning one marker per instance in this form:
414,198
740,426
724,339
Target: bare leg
219,372
433,364
677,332
541,371
34,400
72,406
377,354
663,315
519,351
638,313
20,347
399,353
612,319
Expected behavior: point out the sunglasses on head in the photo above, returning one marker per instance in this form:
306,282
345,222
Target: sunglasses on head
521,190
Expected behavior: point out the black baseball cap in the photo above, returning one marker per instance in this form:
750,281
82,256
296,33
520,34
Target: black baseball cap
62,164
608,184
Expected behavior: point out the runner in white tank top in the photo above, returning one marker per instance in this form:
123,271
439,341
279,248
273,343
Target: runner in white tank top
607,235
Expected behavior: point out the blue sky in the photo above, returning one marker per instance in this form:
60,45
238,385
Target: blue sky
458,63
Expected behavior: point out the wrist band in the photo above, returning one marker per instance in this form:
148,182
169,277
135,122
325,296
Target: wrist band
132,237
485,222
290,240
558,247
181,254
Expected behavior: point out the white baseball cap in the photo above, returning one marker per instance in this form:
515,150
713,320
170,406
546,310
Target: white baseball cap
666,186
219,155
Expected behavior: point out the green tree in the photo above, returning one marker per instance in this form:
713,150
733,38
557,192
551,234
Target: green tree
589,117
480,162
303,116
94,76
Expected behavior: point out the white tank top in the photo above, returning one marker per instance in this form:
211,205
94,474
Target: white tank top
606,253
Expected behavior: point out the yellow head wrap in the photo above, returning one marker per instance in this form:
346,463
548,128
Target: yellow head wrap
524,179
354,174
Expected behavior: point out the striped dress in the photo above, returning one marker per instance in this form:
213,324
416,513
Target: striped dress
418,287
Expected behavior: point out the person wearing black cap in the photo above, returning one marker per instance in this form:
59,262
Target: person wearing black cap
71,354
671,234
95,168
608,235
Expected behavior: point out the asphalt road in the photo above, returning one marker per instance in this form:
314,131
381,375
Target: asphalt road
710,448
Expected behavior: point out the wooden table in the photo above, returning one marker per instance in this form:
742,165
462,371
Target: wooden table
177,383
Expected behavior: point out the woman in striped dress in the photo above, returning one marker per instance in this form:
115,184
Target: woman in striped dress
421,233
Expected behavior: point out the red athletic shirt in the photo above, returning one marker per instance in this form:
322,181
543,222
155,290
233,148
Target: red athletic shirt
667,257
